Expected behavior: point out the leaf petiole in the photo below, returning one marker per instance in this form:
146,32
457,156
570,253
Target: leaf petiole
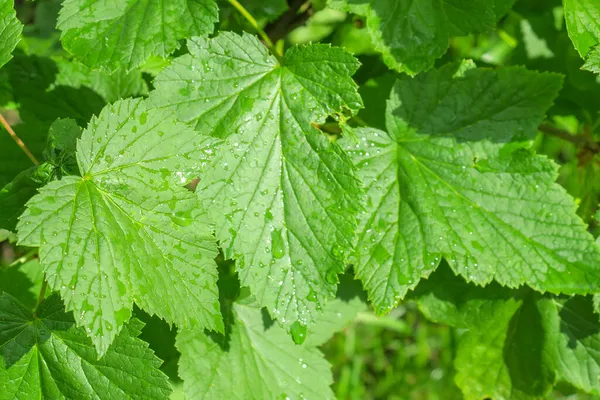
41,295
242,10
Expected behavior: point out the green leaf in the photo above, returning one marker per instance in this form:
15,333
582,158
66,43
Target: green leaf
60,156
411,35
433,196
14,195
505,355
124,34
14,281
46,356
583,24
337,314
574,332
516,343
267,10
592,61
126,230
61,146
263,362
282,195
41,101
10,30
120,84
448,299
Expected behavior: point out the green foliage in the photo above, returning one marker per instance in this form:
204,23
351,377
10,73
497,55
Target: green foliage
411,35
354,199
282,195
126,223
124,34
45,355
10,30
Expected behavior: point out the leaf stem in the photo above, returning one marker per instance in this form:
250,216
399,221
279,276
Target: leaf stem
41,296
24,258
20,143
578,140
298,13
242,10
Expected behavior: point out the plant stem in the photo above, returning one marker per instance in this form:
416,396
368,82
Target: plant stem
254,24
41,296
578,140
25,257
298,13
20,143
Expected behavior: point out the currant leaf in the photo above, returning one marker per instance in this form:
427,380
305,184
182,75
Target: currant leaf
264,362
282,195
127,230
46,356
583,24
431,194
10,30
413,45
111,87
517,343
124,34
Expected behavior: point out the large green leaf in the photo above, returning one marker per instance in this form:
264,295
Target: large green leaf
516,344
505,355
10,30
255,362
127,230
491,209
282,195
124,34
583,24
412,34
46,356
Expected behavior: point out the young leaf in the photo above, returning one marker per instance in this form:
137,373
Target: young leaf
411,35
61,146
583,24
60,156
14,195
124,34
433,196
282,195
10,30
263,362
46,356
127,230
592,61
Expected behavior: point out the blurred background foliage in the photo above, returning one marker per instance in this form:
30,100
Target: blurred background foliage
397,356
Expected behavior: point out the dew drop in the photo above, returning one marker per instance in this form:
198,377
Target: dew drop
298,332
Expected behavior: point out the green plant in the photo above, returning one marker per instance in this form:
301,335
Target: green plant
217,197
